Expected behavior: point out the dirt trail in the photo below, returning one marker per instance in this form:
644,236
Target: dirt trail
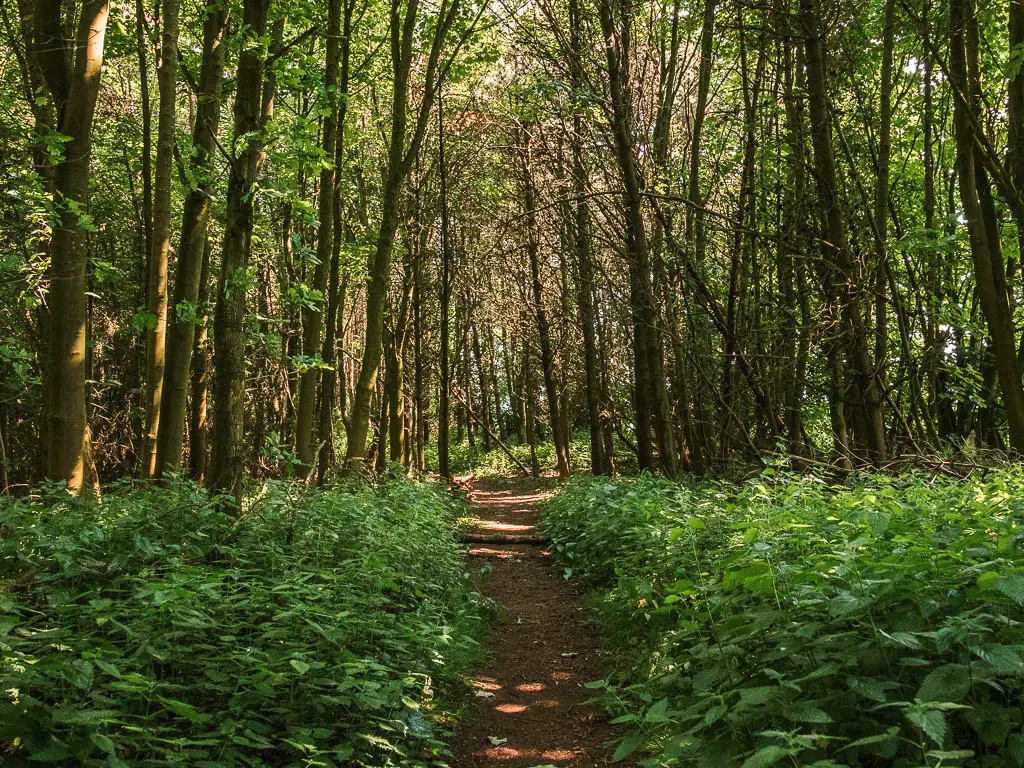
528,709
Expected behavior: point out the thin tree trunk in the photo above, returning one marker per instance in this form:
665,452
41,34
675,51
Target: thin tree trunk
188,312
399,163
227,464
199,427
445,384
841,277
547,358
988,267
881,213
156,298
312,316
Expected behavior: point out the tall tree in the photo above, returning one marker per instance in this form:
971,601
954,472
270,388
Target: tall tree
156,299
312,315
187,311
840,277
973,182
402,150
227,464
72,77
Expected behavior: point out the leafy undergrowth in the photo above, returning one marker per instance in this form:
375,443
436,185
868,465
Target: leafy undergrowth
317,629
788,622
496,463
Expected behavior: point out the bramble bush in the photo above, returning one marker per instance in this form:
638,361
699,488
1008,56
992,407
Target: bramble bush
789,622
317,628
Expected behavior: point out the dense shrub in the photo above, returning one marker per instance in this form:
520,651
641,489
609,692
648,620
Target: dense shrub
790,622
316,629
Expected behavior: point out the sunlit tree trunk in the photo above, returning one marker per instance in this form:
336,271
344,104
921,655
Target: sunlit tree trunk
72,78
399,162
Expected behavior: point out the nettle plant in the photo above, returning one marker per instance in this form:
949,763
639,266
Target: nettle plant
319,628
790,622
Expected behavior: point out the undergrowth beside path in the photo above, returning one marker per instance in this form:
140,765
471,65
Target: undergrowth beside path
319,628
788,622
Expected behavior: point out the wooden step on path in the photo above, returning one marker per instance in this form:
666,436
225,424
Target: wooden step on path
534,539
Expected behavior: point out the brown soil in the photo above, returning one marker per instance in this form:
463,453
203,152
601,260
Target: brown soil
529,707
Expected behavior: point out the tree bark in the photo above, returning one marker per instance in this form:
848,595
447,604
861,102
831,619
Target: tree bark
227,464
156,295
312,316
445,383
187,312
547,358
841,277
988,264
74,88
399,163
199,425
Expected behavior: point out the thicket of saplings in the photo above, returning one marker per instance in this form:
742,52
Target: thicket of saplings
788,622
315,628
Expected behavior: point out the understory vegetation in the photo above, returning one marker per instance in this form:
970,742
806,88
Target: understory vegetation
787,621
316,628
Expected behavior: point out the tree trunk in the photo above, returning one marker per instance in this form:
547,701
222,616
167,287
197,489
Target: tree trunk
988,264
650,398
399,163
841,278
881,213
445,384
547,358
187,312
156,295
74,88
199,426
227,464
312,316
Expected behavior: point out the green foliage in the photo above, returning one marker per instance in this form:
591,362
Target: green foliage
316,629
495,463
789,621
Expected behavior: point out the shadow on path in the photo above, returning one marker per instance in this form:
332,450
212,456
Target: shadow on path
528,708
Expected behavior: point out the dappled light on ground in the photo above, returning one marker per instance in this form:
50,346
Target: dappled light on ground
528,708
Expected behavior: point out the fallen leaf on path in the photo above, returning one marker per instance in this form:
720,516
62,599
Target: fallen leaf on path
484,694
496,741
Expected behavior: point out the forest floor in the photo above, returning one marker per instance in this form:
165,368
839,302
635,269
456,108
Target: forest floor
529,707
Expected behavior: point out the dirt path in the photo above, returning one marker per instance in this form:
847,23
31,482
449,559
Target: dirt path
528,709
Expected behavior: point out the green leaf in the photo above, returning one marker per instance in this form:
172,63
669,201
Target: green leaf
1004,659
715,714
628,746
932,723
183,709
656,714
951,682
102,742
1012,586
766,756
300,666
881,738
805,712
